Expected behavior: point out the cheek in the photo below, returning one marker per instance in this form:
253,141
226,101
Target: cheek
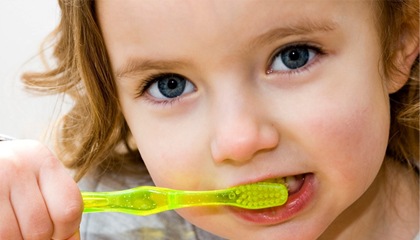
348,139
172,154
164,159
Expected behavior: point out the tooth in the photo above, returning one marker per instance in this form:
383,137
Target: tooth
292,183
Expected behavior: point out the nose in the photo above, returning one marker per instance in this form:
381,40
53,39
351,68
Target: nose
241,129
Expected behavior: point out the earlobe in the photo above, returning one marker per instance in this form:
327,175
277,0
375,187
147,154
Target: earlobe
404,60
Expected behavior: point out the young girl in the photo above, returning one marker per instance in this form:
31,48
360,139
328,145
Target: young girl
213,94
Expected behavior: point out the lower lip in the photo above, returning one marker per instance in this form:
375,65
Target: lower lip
269,216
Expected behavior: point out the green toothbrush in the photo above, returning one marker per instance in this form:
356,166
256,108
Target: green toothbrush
148,200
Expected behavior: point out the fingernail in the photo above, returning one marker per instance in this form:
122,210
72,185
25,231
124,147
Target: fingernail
76,236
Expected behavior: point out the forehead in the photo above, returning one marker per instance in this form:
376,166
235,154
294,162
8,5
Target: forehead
141,26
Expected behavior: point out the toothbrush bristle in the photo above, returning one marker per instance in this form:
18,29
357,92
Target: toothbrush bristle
261,195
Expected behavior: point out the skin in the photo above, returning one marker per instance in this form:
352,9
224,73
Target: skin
242,122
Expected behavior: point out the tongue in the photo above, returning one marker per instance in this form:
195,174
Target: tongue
294,183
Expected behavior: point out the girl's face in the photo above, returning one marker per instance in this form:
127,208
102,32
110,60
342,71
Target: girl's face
221,93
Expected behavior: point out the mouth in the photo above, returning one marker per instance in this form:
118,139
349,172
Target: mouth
301,189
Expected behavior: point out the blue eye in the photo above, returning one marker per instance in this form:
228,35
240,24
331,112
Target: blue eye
169,86
291,58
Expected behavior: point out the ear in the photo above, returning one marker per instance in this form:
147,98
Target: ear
406,54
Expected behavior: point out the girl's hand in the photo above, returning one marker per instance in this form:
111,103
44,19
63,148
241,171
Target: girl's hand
38,197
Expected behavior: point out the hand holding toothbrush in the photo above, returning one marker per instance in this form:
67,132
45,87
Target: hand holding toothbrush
38,197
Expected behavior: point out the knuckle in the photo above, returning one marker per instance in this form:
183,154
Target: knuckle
35,148
72,213
12,166
17,158
21,155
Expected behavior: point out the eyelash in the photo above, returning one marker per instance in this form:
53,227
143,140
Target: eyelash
147,82
319,52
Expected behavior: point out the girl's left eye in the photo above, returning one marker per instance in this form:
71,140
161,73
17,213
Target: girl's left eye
293,57
169,86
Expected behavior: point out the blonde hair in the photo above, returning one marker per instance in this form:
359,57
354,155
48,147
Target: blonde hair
94,133
94,128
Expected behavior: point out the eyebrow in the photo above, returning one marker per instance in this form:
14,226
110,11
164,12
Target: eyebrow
303,27
136,65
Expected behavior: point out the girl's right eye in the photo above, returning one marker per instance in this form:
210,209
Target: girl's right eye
168,86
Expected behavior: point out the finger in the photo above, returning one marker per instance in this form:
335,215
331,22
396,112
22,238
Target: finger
9,227
62,197
30,210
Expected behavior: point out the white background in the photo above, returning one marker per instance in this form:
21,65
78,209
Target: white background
23,26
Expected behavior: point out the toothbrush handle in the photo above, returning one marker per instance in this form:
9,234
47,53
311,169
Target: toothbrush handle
147,200
133,201
95,202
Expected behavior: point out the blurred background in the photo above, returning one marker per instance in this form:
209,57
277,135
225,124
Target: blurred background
23,26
